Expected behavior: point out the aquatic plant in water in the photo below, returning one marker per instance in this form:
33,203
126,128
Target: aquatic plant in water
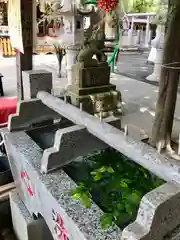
116,184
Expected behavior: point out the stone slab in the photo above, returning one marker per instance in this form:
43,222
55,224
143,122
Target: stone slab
44,135
59,155
72,137
159,207
35,81
158,215
51,193
89,77
25,227
174,235
30,112
20,216
90,90
108,103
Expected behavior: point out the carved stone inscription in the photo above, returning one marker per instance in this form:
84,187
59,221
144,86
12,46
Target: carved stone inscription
90,77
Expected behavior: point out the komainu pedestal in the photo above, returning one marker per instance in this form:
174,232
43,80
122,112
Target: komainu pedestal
91,85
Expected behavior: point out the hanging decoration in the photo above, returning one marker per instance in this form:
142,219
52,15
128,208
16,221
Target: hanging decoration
107,5
14,24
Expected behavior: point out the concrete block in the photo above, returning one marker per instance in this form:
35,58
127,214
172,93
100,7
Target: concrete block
30,112
25,227
67,145
35,81
158,215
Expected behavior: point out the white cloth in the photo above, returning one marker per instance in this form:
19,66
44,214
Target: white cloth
152,55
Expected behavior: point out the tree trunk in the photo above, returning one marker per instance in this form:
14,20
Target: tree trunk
165,108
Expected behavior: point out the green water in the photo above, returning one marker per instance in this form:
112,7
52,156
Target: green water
114,182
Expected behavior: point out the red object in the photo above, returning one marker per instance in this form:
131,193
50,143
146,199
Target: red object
7,107
25,178
107,5
63,234
60,230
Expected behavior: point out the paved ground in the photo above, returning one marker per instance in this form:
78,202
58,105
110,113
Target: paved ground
139,98
135,66
8,70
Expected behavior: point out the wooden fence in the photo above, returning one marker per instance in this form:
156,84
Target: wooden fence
5,46
8,51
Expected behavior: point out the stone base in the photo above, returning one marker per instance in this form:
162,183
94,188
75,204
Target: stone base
90,90
104,103
25,227
155,76
85,77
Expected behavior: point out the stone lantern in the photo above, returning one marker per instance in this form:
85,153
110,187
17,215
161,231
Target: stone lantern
72,35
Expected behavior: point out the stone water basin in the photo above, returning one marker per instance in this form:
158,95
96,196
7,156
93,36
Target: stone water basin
115,183
44,135
92,188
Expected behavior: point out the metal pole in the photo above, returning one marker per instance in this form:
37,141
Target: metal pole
137,151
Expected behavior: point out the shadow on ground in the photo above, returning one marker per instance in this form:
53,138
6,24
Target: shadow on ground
135,66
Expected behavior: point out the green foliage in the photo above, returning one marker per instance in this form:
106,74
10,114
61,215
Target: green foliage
142,5
82,193
106,220
161,16
116,184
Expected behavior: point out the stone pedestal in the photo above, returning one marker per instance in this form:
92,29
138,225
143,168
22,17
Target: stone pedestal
103,99
138,37
71,55
157,43
130,36
35,81
155,76
156,53
91,89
